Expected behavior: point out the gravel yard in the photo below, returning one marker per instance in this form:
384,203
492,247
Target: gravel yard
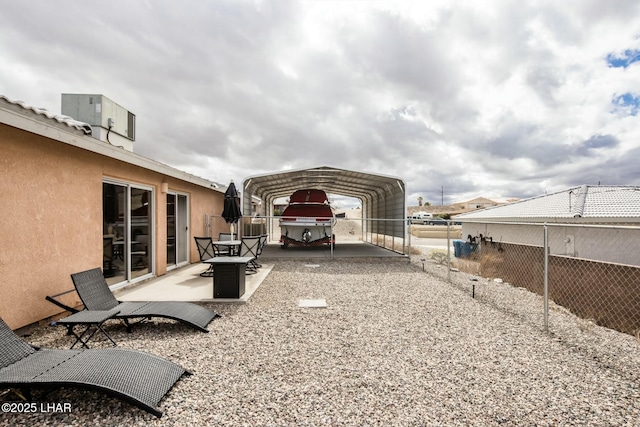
394,346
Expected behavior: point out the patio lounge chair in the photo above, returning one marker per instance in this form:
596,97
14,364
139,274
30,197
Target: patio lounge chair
141,379
96,295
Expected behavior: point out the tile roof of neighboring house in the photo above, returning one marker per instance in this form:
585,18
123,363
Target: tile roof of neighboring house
69,121
477,200
578,202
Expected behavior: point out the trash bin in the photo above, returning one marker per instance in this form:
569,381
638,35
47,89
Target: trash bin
467,249
457,248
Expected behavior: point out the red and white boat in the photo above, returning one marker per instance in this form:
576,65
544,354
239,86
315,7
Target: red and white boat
307,220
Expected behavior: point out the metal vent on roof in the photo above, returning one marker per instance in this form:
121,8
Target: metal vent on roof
581,197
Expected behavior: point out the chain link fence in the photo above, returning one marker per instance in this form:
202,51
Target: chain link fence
349,228
591,271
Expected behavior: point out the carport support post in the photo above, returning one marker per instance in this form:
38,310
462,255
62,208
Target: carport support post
546,278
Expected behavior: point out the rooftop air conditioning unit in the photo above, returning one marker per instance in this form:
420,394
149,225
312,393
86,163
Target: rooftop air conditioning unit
110,122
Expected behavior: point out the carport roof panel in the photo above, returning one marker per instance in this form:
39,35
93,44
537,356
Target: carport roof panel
332,180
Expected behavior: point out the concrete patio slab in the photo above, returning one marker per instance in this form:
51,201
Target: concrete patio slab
186,284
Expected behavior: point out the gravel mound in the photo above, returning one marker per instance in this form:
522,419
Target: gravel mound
395,346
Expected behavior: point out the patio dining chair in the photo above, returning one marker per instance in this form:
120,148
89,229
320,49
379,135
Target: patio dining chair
207,250
229,236
95,294
139,252
139,378
261,245
107,256
249,248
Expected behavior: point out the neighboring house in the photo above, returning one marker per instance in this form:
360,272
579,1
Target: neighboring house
477,203
458,208
585,205
71,202
591,265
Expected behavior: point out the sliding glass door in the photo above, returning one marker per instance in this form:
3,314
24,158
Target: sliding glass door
177,230
127,231
140,231
116,251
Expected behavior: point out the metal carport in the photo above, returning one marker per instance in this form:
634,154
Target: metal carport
383,197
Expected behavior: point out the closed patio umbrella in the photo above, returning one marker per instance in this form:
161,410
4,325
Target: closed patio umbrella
231,212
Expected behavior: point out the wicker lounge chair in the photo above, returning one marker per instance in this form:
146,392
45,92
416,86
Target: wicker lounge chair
96,295
141,379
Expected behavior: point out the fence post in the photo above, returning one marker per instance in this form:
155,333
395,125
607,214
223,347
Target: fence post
409,239
332,242
448,253
546,278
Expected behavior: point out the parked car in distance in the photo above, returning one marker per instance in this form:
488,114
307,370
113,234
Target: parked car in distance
421,217
437,221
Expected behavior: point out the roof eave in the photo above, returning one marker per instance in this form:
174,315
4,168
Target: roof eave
76,138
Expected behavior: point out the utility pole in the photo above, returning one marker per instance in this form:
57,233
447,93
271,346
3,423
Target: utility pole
442,196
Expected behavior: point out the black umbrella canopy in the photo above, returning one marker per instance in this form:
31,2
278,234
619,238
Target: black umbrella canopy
231,212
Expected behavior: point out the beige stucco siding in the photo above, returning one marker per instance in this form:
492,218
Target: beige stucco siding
51,218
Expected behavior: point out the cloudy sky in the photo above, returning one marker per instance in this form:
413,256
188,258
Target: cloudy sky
493,98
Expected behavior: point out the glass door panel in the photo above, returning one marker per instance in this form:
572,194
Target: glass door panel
177,230
171,230
141,244
182,230
115,251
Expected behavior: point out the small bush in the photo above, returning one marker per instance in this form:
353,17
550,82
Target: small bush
439,256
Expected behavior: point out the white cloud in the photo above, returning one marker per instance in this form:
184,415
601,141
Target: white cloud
481,98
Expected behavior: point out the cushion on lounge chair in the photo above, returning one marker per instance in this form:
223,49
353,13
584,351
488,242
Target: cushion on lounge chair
96,295
140,378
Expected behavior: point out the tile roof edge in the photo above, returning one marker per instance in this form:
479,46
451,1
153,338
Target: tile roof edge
66,120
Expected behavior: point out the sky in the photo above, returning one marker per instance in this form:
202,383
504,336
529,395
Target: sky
460,99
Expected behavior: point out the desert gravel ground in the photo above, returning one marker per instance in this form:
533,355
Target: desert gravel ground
395,346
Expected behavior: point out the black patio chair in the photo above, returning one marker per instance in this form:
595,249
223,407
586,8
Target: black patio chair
229,236
140,252
96,295
249,248
107,257
207,250
261,245
139,378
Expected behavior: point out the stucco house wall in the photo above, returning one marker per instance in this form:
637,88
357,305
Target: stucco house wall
51,217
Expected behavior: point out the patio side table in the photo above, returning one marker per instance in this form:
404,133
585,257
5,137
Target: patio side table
90,320
228,275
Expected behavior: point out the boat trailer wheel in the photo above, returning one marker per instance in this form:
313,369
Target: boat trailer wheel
306,235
